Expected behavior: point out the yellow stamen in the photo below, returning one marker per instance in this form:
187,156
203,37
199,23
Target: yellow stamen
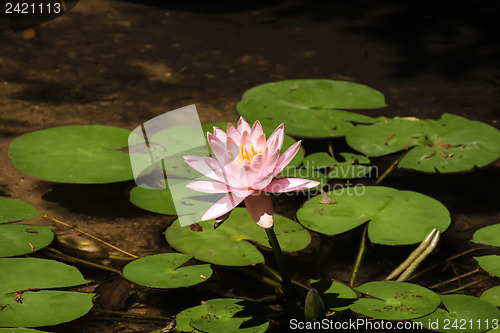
245,156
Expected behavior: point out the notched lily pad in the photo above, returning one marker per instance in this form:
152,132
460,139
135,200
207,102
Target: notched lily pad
462,313
230,244
336,296
16,210
74,154
395,217
164,271
20,239
223,315
395,300
489,235
310,108
450,144
490,264
28,306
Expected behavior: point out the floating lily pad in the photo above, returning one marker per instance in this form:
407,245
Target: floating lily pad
395,217
230,243
74,154
450,144
154,200
395,300
492,295
163,271
16,210
463,313
44,307
352,167
489,235
223,315
336,296
20,239
310,108
490,264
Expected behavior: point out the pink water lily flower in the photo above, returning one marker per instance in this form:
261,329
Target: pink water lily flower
244,167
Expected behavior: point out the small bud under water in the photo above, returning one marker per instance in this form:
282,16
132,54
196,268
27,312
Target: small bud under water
80,247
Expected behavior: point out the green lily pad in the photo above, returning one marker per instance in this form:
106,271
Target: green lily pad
395,217
310,108
450,144
230,243
16,210
154,200
489,235
395,300
335,295
492,295
352,167
74,154
223,315
163,271
15,240
463,314
44,307
490,264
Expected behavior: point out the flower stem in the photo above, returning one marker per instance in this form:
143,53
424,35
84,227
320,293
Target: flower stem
361,251
280,261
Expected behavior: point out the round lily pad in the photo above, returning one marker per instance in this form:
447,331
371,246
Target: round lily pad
490,264
336,296
395,217
74,154
310,108
492,295
34,307
16,210
20,239
229,244
164,271
223,315
462,313
154,200
450,144
489,235
395,300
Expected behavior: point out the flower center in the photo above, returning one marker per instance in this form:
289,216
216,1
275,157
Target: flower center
246,156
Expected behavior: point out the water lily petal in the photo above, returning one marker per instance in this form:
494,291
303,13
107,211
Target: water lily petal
287,157
290,184
243,126
220,134
260,208
256,132
233,134
209,187
222,206
275,141
204,165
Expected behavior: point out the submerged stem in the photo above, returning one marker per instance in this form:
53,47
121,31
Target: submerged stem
280,261
361,251
389,169
53,253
